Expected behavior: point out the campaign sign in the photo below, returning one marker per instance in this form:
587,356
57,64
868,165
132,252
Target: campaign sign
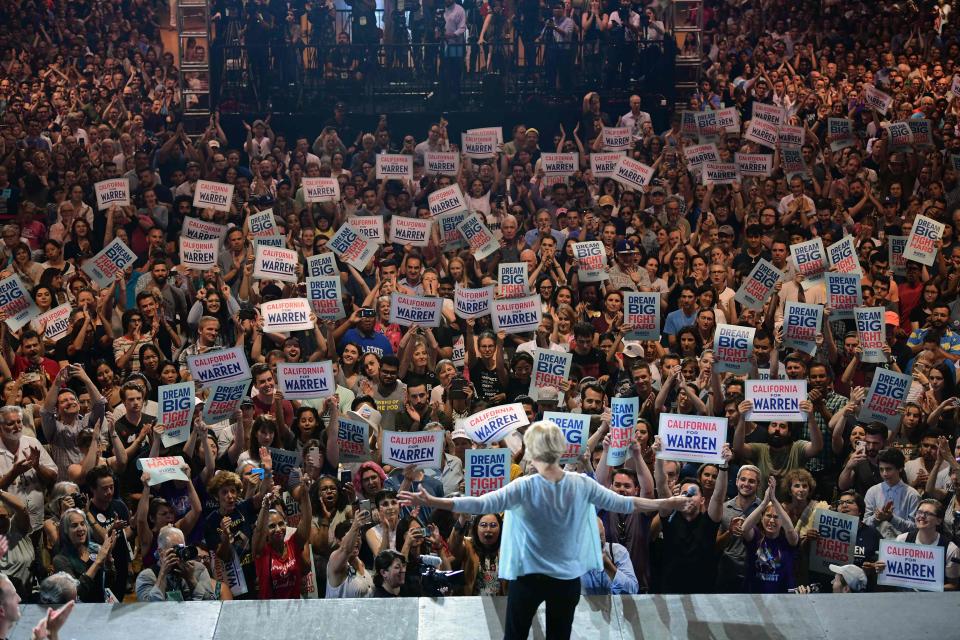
393,166
199,254
277,241
616,138
770,113
701,154
955,86
728,120
175,406
720,173
410,232
320,189
876,99
306,380
353,440
688,123
836,542
481,240
473,303
163,469
911,566
887,393
843,294
493,424
900,135
843,256
793,164
104,267
197,229
224,400
922,241
775,400
289,314
409,310
212,195
811,260
16,303
692,438
623,422
641,312
840,133
604,165
222,365
272,263
450,237
517,315
369,226
442,163
762,132
512,279
591,260
757,286
898,262
55,322
550,369
871,333
732,346
632,174
423,449
801,324
576,430
115,191
921,131
559,164
322,265
754,165
325,297
352,247
284,462
707,126
479,144
790,136
459,356
263,224
485,470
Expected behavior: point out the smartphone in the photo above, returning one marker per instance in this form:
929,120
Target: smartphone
365,505
258,471
346,476
425,532
862,446
367,313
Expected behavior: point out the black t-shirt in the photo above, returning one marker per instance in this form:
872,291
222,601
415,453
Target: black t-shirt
242,520
116,511
129,479
593,363
689,554
485,381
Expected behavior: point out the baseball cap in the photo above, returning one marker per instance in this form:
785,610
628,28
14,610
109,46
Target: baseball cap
459,433
853,575
260,123
891,317
632,349
606,201
888,200
725,230
658,190
548,395
625,246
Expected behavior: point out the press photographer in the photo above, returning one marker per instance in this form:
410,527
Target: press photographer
179,576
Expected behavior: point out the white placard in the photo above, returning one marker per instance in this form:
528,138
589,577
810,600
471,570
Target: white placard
352,247
199,254
604,165
370,227
197,229
320,189
394,166
517,315
56,322
616,138
423,449
550,369
591,260
222,365
163,469
272,263
115,191
446,200
732,347
692,438
104,267
922,242
306,380
775,400
911,566
409,310
493,424
442,163
481,240
411,232
632,174
288,314
213,195
325,295
473,303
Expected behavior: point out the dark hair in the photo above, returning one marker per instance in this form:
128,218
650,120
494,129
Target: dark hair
876,429
258,369
382,495
583,330
623,471
857,498
391,360
96,474
128,316
892,457
383,561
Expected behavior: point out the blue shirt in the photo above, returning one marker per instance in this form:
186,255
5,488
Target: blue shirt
677,320
598,583
905,501
374,343
548,527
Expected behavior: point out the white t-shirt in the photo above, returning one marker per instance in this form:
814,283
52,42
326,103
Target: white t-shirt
912,469
952,557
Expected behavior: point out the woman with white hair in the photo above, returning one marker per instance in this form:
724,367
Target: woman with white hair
539,563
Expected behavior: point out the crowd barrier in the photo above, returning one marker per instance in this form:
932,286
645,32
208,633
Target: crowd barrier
716,617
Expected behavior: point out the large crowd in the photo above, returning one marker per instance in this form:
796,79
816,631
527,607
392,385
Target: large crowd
87,95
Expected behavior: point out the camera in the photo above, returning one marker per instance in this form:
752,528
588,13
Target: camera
437,584
79,500
186,553
367,313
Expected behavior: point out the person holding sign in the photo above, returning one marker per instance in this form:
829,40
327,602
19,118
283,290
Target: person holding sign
781,453
540,564
771,542
929,520
279,558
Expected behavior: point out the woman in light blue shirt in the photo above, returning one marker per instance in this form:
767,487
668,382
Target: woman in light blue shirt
549,531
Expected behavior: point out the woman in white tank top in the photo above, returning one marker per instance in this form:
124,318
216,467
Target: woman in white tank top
346,575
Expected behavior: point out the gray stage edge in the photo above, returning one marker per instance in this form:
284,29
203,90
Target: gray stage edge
713,617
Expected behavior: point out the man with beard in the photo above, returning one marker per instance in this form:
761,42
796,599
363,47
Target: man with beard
418,412
753,250
631,530
937,323
173,299
781,453
61,420
389,394
735,511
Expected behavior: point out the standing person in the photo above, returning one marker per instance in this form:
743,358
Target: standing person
278,557
771,542
454,28
539,566
891,504
730,575
929,520
62,421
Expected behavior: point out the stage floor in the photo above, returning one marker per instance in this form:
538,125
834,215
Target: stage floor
714,617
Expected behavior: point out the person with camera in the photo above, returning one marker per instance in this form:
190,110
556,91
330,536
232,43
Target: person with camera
177,576
278,557
558,36
454,30
623,27
347,577
62,421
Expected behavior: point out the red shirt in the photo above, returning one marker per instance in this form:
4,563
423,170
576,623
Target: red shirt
909,299
280,578
259,408
50,367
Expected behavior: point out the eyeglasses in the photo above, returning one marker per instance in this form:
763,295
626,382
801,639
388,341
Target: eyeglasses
923,515
847,501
